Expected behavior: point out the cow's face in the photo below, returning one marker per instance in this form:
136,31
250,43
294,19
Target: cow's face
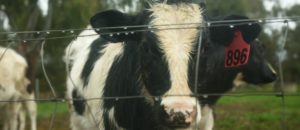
258,70
166,61
165,57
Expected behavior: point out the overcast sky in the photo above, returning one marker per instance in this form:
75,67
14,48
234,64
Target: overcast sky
43,4
284,3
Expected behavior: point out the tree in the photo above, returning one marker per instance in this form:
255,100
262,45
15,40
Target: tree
25,15
292,65
251,8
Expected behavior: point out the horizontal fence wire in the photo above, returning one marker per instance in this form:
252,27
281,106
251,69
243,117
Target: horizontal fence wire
127,30
244,94
201,25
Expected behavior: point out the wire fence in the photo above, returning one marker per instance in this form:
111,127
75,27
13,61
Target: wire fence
129,30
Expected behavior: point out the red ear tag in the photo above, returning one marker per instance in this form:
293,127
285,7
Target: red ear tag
237,53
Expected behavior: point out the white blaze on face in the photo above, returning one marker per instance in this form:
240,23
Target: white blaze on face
177,43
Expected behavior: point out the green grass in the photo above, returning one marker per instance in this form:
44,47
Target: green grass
45,110
232,113
257,113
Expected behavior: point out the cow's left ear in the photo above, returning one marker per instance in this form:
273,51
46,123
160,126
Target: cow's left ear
110,25
224,32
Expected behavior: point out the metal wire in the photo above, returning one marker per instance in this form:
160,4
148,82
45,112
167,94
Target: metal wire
207,24
50,85
143,28
244,94
282,95
45,72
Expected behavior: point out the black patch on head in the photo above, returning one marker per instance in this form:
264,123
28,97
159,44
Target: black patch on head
222,32
93,56
78,102
123,80
155,70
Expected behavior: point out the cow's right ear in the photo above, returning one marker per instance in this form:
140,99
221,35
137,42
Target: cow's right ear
109,25
223,33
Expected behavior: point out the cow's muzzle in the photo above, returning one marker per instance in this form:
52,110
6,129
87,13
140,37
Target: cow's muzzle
179,112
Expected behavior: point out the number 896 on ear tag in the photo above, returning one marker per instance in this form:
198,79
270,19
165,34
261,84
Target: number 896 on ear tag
237,53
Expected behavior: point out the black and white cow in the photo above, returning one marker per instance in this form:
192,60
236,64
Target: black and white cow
216,77
141,64
158,65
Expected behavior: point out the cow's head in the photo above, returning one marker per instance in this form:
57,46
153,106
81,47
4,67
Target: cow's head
165,55
258,70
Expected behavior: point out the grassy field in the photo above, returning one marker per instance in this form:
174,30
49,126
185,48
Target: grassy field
232,113
258,113
61,118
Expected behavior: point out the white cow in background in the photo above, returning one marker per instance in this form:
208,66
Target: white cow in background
13,87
